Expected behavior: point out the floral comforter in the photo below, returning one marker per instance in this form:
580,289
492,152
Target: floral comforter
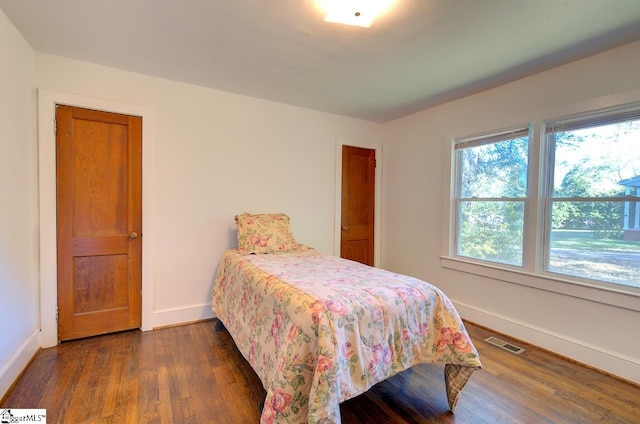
319,330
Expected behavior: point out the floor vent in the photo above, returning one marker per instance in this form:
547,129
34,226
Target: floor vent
506,346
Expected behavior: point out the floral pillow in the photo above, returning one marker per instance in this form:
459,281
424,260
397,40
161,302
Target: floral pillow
264,233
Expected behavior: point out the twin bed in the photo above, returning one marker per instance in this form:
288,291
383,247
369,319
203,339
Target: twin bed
319,330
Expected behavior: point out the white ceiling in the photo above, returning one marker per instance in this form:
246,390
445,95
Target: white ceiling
422,53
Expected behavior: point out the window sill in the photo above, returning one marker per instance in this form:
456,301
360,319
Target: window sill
619,296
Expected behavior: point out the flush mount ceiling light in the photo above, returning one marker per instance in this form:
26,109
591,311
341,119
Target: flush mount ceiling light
354,12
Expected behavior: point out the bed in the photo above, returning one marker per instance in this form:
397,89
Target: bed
319,330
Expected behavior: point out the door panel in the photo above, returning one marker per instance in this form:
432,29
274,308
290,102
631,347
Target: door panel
95,279
358,204
99,220
99,153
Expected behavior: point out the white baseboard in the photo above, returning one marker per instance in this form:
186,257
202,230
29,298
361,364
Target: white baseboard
10,371
166,317
593,356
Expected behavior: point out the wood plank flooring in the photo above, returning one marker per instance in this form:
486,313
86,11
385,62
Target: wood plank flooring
194,374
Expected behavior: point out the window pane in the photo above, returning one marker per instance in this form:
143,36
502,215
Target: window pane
596,240
491,231
596,162
494,170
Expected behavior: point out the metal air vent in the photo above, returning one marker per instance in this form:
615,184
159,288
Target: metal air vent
504,345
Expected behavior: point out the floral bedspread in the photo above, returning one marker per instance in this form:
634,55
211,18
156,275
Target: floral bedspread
319,330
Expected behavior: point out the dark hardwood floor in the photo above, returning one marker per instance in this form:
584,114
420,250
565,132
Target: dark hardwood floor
194,374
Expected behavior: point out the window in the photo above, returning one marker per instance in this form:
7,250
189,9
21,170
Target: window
591,200
580,205
491,189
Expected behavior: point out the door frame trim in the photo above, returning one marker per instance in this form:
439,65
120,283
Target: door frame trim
343,141
47,100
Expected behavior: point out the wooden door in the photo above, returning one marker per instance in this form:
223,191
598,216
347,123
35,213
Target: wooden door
99,222
358,204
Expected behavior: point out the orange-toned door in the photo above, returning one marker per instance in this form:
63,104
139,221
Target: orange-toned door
99,221
358,204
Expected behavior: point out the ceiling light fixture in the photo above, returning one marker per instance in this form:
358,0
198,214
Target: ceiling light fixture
360,13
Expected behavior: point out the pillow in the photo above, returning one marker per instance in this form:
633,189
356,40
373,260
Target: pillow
264,233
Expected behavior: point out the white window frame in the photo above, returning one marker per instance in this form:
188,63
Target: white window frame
532,273
486,139
574,122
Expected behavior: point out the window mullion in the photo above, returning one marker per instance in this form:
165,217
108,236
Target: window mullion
533,222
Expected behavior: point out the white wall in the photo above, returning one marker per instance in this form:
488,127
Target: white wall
19,319
416,186
215,155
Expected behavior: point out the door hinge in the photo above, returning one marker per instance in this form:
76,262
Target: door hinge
56,314
55,128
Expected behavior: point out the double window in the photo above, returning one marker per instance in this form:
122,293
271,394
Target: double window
575,214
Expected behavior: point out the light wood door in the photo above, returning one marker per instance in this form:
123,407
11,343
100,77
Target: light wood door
99,221
358,204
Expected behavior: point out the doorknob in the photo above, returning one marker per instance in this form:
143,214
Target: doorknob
345,228
133,235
